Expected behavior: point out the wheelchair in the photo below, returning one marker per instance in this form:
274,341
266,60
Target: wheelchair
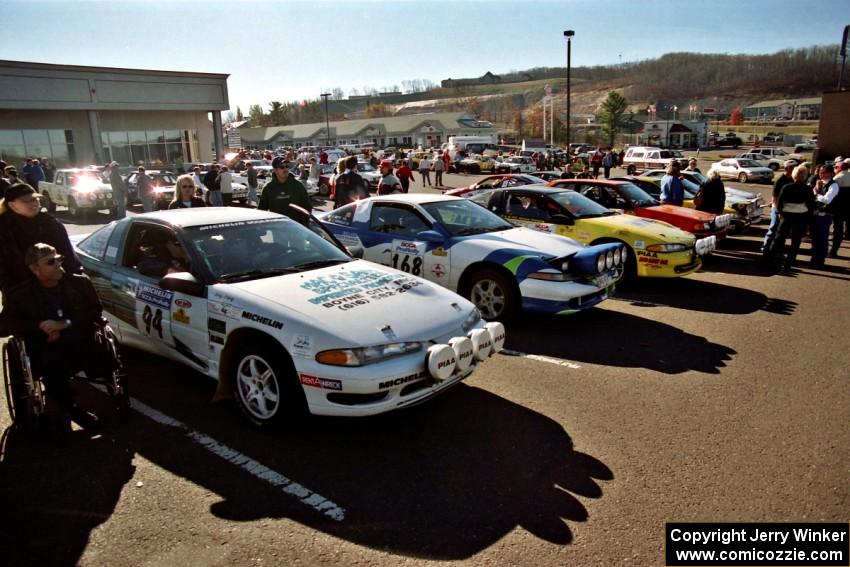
25,390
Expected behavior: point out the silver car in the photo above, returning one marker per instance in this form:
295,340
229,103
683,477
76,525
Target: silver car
743,170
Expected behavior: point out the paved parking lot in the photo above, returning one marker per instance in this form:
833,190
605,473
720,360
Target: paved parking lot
722,396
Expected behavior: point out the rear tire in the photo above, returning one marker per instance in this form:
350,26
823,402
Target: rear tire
324,189
265,384
493,294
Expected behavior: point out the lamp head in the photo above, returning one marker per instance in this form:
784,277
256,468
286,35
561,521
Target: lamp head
569,33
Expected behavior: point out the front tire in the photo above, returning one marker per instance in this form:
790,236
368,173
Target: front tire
324,189
266,386
48,203
742,178
74,209
493,294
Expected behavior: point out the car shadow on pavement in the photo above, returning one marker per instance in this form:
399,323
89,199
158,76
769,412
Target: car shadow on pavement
55,491
697,295
443,480
629,341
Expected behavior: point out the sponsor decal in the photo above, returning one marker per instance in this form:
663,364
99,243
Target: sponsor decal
653,262
542,227
350,289
222,296
111,252
402,380
349,239
647,254
439,271
583,234
262,319
181,316
316,382
224,310
440,252
185,303
154,296
217,326
639,245
216,339
302,345
406,247
239,223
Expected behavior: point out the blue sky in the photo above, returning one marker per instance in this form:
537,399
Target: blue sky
279,50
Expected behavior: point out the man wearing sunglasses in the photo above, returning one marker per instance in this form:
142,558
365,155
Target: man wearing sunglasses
22,224
282,190
55,313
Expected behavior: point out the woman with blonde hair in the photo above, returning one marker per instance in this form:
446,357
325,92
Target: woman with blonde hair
795,204
184,194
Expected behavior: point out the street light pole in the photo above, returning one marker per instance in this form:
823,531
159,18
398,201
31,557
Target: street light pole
568,34
327,122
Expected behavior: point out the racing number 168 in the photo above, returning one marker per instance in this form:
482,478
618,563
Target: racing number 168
416,269
152,320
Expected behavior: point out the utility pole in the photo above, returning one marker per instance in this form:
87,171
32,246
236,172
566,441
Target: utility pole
569,35
327,122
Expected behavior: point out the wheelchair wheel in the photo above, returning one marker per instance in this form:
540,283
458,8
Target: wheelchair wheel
24,393
116,383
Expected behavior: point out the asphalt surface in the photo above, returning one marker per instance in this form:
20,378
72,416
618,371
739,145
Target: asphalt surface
722,396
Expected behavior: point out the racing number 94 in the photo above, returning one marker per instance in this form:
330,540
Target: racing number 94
152,320
415,269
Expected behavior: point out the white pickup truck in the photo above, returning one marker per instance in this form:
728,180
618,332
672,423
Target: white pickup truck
81,190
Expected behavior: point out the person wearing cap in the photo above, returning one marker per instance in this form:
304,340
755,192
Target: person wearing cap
781,182
33,174
54,312
119,190
22,224
283,190
389,183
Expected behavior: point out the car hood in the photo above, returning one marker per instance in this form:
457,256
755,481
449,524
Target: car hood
645,229
355,302
526,240
681,212
739,193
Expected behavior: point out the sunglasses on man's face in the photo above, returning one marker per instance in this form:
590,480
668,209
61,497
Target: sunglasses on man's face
53,261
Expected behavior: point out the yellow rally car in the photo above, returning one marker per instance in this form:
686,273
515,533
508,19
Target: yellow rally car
476,163
655,249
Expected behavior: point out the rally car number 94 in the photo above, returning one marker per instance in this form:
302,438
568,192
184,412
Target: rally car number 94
281,314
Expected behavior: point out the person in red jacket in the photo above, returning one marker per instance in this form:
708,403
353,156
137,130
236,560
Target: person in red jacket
405,176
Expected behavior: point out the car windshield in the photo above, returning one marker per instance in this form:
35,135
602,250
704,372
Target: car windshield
85,178
690,187
245,250
164,179
364,166
640,197
696,177
749,163
464,218
579,206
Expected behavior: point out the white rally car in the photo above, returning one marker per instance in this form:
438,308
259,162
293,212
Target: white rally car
282,314
456,243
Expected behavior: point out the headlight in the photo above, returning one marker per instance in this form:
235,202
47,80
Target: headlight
552,276
667,247
617,256
600,263
565,266
740,207
702,226
609,260
366,355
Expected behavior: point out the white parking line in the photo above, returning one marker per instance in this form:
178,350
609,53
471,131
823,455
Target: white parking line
246,463
539,358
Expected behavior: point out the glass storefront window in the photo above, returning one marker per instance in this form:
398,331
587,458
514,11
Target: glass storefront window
137,137
11,138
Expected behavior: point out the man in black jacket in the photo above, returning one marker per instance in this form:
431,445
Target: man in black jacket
22,224
55,314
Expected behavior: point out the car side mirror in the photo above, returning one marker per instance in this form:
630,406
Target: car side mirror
183,282
355,251
430,236
562,219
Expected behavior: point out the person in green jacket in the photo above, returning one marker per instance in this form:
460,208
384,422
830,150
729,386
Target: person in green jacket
282,190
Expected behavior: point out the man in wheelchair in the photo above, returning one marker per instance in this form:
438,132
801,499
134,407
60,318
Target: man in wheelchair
56,315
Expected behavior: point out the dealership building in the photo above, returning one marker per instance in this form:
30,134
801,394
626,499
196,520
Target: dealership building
79,115
425,130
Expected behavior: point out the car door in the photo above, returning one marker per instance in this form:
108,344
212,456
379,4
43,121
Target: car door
396,225
529,209
60,186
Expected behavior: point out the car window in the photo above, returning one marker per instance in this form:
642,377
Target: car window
527,206
396,219
153,251
95,244
459,217
577,205
343,215
637,155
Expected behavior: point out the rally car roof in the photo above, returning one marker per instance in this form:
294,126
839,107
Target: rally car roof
201,216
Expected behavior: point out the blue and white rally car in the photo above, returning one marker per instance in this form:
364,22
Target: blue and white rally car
281,314
456,243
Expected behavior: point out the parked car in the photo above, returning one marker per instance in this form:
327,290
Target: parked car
728,141
476,163
770,162
516,164
283,314
456,243
627,197
743,170
647,157
654,249
493,182
163,182
81,190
